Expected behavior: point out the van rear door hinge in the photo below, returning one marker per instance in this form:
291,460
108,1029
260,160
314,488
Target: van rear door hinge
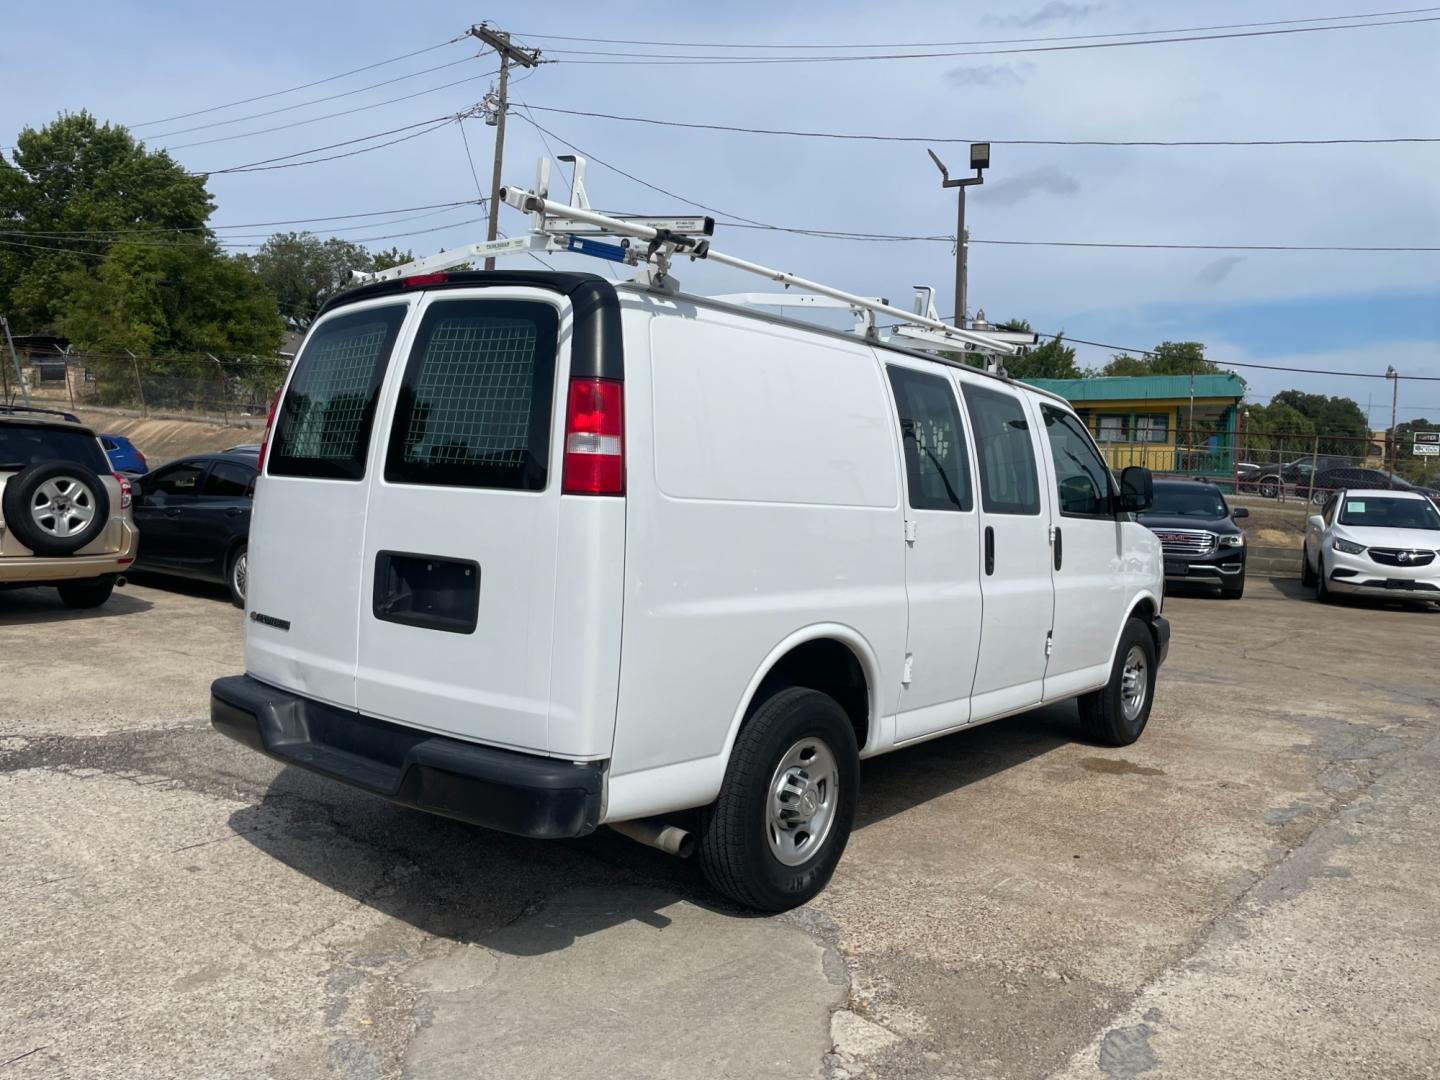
1052,535
910,532
1049,642
909,667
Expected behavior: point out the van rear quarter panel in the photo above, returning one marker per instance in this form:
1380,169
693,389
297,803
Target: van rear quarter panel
763,499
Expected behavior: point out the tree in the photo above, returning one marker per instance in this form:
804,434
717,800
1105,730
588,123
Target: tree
304,271
1407,463
1341,424
86,181
1271,432
166,299
1051,360
1168,358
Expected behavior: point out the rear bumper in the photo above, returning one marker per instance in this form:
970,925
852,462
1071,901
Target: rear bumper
499,789
32,570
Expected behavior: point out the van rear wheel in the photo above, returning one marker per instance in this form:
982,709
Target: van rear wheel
775,834
1117,714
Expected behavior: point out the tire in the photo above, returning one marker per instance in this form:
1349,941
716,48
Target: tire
1233,590
33,495
237,576
1269,487
1322,590
86,594
1307,576
744,852
1109,716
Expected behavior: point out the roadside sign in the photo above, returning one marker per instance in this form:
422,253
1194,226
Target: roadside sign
1427,443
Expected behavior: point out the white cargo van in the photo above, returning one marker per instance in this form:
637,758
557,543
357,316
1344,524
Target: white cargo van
544,553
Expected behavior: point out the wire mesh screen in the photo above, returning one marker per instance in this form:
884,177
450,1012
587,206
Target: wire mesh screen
327,402
473,393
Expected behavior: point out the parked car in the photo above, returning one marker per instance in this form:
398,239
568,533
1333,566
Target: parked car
1333,480
674,570
1293,478
65,515
1375,543
194,515
1247,475
124,457
1197,529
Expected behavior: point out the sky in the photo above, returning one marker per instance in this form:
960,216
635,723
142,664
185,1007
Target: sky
139,63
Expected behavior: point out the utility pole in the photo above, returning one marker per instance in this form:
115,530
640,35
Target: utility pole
979,161
15,360
1394,377
500,42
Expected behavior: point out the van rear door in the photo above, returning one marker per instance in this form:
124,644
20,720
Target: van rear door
308,529
472,554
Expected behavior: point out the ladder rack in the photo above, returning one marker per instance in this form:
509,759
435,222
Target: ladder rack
575,228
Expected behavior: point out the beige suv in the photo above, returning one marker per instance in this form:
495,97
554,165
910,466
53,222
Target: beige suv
64,513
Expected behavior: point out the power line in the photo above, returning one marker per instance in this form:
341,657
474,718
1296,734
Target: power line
1247,364
247,225
266,164
301,86
836,234
850,136
312,101
990,41
662,60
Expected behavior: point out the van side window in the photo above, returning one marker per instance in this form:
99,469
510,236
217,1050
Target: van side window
937,465
1081,477
1008,480
323,426
475,404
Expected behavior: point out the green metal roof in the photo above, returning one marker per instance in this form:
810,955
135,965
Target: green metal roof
1144,387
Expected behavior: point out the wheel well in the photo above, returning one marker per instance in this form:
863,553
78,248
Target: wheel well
830,667
1145,609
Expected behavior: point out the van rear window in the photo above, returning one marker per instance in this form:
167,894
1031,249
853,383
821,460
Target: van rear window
475,405
323,428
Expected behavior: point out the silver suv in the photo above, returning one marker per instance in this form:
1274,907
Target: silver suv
64,513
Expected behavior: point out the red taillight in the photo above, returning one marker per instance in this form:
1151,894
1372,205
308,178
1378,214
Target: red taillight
126,492
419,281
595,438
269,424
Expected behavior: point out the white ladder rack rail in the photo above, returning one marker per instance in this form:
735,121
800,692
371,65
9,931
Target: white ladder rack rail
663,245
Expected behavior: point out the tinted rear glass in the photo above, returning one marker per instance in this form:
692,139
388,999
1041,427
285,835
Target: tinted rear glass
1008,483
323,428
229,480
22,444
475,405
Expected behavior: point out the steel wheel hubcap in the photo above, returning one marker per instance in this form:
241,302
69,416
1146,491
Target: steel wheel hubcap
801,802
1134,682
62,507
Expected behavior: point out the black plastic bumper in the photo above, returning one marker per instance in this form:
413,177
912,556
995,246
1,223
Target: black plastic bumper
499,789
1161,627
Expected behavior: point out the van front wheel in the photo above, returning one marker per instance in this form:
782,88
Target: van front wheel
1117,714
775,834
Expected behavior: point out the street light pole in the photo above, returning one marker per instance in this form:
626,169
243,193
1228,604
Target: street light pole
979,161
1394,377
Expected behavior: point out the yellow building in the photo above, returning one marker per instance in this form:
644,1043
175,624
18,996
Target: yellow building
1177,424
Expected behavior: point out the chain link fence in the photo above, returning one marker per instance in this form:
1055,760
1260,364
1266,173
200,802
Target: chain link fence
199,387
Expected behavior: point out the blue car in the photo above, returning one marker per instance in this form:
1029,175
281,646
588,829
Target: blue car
123,455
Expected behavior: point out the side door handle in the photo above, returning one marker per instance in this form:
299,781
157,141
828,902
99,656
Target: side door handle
172,512
1059,547
989,550
234,511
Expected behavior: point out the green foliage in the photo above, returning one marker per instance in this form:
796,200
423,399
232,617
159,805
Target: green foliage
158,299
1052,359
1339,421
78,176
1421,470
304,271
1272,432
1170,358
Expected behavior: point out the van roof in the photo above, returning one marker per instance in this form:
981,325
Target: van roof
585,287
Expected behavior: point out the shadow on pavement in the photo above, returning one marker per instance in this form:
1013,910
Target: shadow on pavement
204,590
464,883
24,607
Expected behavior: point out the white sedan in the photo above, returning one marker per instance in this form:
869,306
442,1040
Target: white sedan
1374,543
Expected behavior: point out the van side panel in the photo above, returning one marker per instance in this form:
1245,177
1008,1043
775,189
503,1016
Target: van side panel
763,498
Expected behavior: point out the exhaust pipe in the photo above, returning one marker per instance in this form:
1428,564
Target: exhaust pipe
670,839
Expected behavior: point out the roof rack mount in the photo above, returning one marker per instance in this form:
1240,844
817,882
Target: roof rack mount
558,227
